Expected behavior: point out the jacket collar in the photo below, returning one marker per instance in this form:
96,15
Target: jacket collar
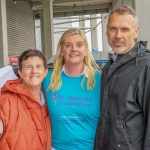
138,50
133,53
84,72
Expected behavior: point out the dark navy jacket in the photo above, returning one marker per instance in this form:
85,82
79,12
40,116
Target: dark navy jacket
125,102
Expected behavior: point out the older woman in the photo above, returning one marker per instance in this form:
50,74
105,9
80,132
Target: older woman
24,120
73,94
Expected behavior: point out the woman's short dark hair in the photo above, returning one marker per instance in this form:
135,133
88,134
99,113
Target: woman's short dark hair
31,53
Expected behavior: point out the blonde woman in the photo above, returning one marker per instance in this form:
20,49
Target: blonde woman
72,91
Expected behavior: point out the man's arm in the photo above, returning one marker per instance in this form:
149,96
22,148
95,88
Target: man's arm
146,110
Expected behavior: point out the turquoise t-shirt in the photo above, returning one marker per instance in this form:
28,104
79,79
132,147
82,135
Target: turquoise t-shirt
74,112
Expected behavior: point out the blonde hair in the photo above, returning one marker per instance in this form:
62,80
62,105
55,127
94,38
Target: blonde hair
89,62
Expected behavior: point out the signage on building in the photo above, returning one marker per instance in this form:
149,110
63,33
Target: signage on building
13,60
101,63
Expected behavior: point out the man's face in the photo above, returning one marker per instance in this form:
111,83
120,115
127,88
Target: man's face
121,32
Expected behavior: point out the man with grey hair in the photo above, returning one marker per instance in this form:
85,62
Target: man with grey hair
125,88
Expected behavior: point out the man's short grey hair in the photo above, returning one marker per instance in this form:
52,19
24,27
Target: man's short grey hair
124,10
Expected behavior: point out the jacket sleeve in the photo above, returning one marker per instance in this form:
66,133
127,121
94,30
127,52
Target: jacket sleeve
4,111
146,109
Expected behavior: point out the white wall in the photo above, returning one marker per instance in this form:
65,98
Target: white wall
142,8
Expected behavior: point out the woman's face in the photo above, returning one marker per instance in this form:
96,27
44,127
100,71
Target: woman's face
33,72
74,50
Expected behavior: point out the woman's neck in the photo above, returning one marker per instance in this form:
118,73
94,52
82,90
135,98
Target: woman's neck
36,94
74,70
